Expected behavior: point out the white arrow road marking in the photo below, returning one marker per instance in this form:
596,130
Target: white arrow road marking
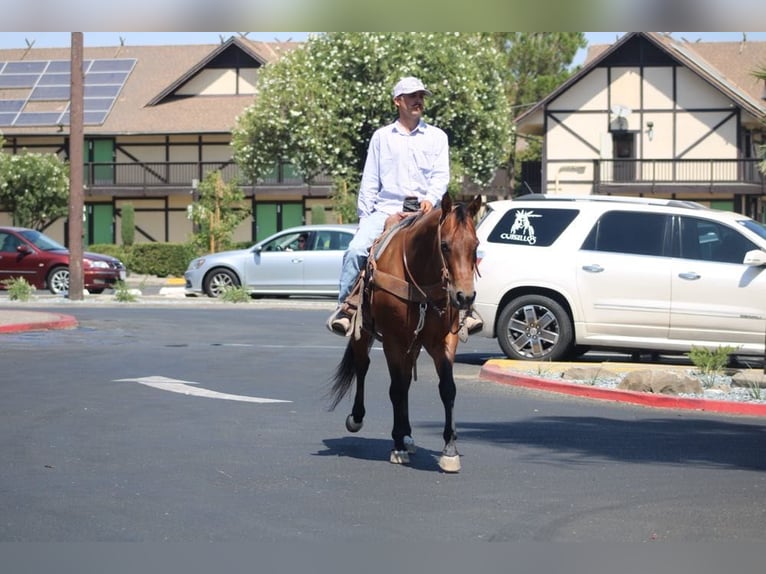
182,387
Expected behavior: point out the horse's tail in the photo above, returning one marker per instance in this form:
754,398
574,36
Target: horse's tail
344,376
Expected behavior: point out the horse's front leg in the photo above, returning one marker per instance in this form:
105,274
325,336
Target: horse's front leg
400,370
449,461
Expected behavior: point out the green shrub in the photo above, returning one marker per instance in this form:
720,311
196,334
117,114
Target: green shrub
710,362
121,252
128,227
160,259
122,293
235,295
18,289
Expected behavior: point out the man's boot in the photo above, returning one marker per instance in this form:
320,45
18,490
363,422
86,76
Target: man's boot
340,321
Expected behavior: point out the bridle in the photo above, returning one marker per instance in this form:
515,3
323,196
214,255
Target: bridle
425,301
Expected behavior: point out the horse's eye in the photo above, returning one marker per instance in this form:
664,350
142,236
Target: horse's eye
445,247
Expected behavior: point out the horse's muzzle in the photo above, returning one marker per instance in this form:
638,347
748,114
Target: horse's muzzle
461,299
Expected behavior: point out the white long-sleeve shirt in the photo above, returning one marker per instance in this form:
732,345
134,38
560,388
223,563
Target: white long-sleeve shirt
401,164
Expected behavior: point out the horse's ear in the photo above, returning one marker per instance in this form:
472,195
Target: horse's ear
474,206
446,203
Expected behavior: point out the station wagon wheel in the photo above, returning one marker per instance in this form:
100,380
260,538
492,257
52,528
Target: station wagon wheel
58,280
534,327
218,280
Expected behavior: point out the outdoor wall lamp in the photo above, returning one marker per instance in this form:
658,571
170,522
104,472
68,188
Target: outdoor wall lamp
650,130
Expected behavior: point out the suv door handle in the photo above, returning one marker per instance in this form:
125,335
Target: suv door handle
690,275
595,268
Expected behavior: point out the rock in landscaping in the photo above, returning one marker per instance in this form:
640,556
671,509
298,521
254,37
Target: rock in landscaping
587,373
748,379
660,382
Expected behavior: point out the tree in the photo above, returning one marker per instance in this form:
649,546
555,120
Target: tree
217,213
535,64
318,107
35,188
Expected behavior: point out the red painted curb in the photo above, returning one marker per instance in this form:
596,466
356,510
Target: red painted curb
61,322
499,375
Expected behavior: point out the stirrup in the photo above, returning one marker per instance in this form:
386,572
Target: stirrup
339,323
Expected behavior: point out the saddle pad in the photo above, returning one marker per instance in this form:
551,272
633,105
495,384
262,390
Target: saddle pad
385,238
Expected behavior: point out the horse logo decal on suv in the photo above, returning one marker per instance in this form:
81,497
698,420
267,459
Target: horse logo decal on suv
522,229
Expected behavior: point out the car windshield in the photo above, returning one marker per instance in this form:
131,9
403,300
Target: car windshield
757,228
41,241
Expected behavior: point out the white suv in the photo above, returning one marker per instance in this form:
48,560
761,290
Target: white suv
562,275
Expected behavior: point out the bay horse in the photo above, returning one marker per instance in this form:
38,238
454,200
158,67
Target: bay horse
414,289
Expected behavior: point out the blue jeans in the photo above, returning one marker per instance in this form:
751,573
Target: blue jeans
356,254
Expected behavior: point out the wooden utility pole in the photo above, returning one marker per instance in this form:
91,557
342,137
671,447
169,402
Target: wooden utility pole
76,170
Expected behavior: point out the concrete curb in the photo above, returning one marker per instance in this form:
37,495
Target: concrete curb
496,373
52,321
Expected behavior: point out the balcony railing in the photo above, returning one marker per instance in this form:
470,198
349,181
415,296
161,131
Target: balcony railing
689,173
179,175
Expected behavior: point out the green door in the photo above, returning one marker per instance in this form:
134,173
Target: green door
265,220
292,215
273,217
100,154
99,224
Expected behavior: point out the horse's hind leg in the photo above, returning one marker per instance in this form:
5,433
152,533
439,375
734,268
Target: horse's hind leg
355,420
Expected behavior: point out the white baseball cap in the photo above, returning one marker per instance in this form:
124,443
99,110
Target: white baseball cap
409,85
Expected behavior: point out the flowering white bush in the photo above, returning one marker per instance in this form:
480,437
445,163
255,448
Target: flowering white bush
318,106
34,187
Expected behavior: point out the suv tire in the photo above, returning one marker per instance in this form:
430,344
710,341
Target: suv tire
535,327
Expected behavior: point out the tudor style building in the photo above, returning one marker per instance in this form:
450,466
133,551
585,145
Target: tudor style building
157,119
653,116
647,115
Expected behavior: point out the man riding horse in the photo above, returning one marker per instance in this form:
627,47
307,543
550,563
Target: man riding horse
407,169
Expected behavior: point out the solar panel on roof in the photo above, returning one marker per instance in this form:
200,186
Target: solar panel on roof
17,80
94,117
43,81
50,93
105,78
25,67
112,66
48,79
102,91
100,104
59,67
37,119
11,105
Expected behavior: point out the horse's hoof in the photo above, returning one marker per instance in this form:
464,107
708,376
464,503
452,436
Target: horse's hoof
399,457
351,425
449,463
409,445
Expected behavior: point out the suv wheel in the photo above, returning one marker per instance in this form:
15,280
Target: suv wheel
534,327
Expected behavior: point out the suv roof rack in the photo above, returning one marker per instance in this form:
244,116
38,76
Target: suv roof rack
612,198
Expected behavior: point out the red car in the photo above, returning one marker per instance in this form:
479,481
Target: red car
44,263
